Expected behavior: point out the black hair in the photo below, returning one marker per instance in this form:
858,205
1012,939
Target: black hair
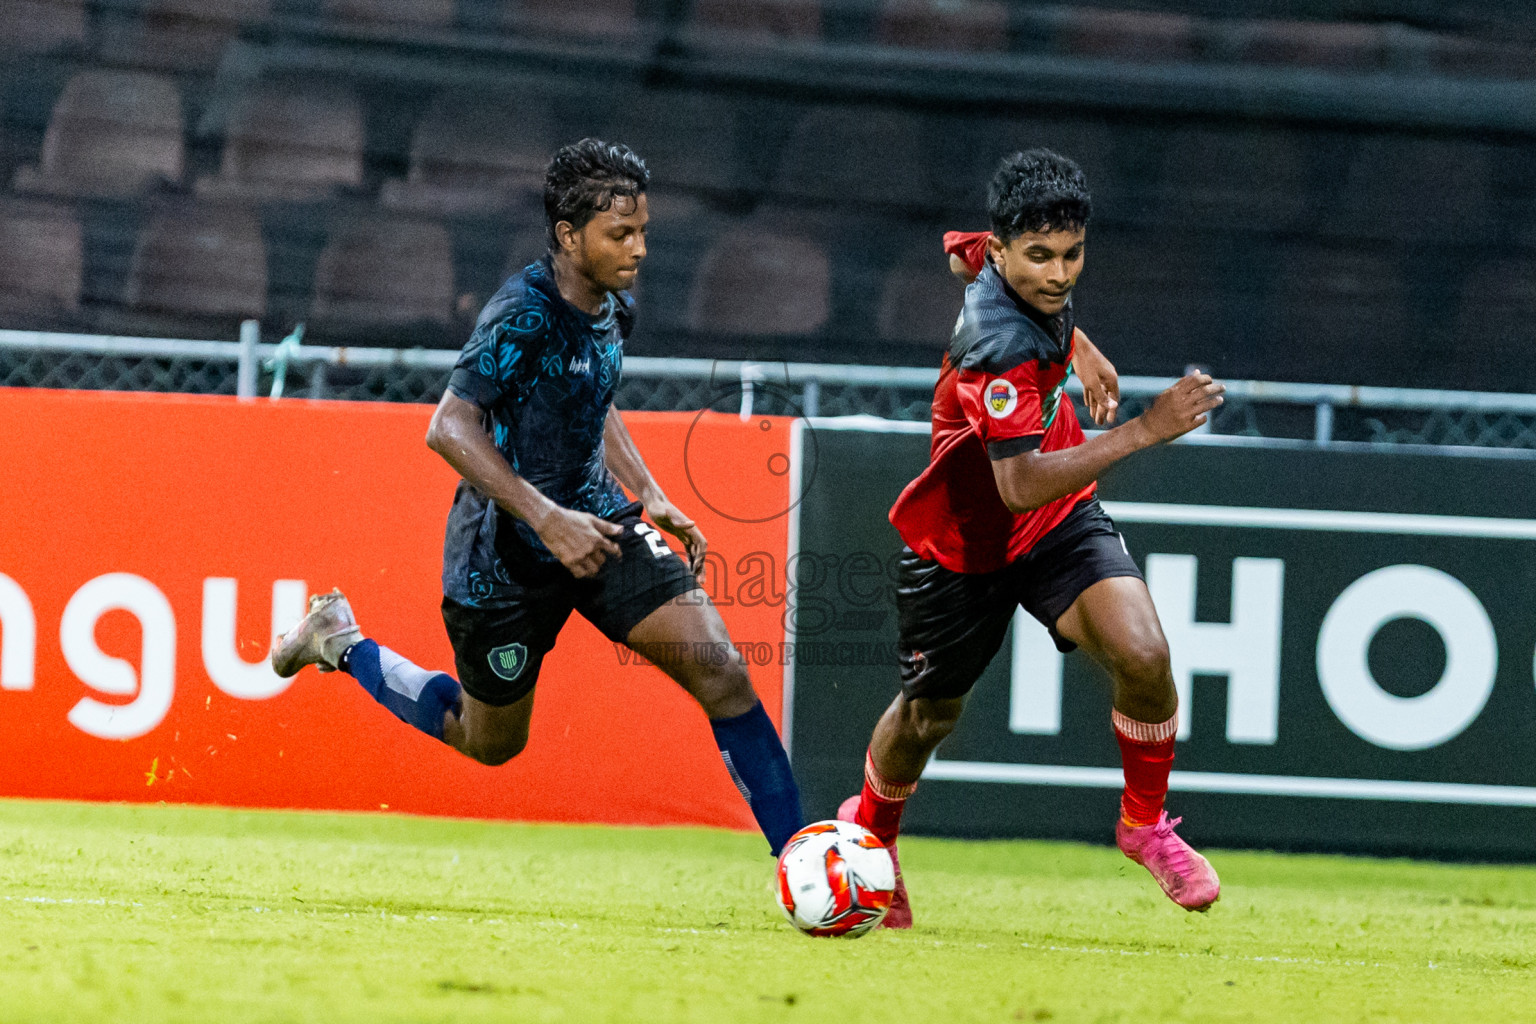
1037,190
585,177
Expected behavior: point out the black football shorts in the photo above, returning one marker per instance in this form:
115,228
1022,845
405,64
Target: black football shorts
499,650
953,623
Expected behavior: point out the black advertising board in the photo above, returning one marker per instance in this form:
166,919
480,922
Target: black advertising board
1353,634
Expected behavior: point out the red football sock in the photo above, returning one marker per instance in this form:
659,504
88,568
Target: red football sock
1146,752
881,803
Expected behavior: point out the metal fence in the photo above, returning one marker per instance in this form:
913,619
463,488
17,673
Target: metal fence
250,368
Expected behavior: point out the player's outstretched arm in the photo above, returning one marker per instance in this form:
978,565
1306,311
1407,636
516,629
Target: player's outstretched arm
1032,479
1101,384
623,459
580,541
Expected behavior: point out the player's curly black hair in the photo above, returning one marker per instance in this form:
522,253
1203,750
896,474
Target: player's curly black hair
1037,190
584,178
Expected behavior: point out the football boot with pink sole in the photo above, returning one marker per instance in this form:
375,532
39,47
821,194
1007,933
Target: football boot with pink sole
1187,878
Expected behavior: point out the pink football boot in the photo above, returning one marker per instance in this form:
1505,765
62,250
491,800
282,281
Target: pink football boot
1187,878
900,914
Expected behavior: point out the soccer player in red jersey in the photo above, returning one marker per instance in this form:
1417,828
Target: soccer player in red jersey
1006,514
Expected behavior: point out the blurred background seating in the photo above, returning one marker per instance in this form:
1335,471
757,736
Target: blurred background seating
1267,179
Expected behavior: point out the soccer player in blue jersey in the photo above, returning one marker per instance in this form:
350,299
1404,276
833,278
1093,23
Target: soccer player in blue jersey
541,525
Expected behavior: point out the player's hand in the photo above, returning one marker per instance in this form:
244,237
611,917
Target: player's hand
666,516
1182,407
581,541
1101,384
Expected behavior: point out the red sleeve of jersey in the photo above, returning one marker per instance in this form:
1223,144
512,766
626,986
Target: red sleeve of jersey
1003,409
970,246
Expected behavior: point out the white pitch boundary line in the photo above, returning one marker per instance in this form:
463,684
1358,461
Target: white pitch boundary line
1231,782
1317,519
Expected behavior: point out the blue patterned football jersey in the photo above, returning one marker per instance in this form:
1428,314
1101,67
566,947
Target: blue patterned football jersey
545,373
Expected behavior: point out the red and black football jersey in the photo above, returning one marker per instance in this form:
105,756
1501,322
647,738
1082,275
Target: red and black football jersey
1001,392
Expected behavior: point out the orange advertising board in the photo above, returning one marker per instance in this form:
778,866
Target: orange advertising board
149,543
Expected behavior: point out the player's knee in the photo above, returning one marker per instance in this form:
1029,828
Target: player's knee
726,691
1144,663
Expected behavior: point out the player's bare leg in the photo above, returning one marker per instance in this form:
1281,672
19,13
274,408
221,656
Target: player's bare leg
1115,623
907,734
329,638
486,733
687,640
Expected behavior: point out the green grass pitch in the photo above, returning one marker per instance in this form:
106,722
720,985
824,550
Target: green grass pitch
155,913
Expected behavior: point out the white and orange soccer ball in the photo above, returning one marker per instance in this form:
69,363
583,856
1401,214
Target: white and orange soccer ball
835,878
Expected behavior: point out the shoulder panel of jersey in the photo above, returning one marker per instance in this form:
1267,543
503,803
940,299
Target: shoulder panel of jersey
993,335
509,332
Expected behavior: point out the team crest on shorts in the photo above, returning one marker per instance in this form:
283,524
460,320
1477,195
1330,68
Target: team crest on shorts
508,661
1002,397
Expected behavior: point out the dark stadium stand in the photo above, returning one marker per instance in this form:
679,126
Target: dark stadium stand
762,278
1496,310
112,133
41,257
855,155
1265,184
784,19
476,153
1263,173
384,273
41,25
610,18
975,26
179,35
918,305
200,260
290,140
392,13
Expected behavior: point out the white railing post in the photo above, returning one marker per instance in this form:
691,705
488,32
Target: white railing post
751,375
1322,418
245,377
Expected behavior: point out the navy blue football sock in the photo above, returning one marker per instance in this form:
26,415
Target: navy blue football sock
760,768
415,696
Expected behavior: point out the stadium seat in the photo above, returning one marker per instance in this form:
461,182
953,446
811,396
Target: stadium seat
561,17
41,257
760,279
969,149
977,26
385,272
1412,189
179,35
1493,325
112,133
783,19
920,301
385,13
1323,44
689,139
1250,178
1129,35
830,155
1353,295
475,152
291,140
1147,299
36,26
200,260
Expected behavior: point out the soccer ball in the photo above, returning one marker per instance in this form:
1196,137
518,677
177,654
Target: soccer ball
835,878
